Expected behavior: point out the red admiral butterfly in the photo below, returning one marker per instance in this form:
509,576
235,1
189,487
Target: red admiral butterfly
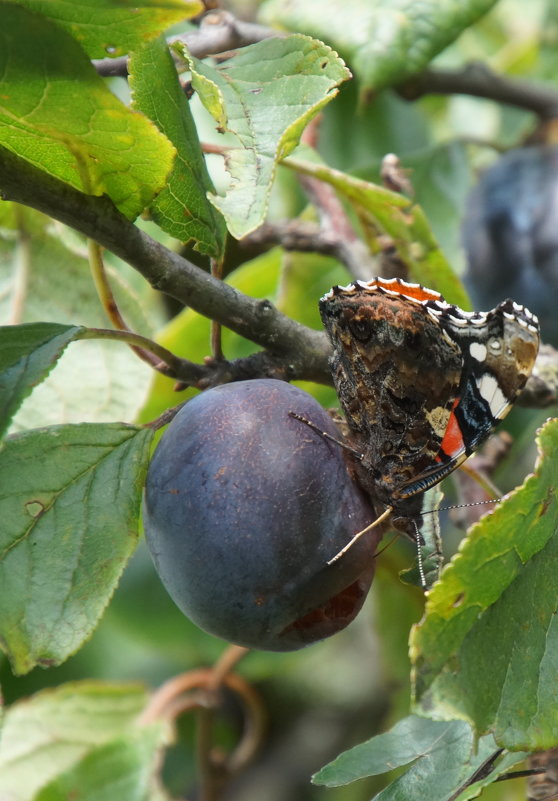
422,384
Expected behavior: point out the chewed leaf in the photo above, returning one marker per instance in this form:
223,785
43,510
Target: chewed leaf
69,505
488,644
265,95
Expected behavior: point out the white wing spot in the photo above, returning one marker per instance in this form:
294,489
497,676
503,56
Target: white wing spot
478,351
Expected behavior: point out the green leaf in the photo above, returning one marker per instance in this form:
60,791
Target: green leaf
122,769
69,506
410,739
265,95
503,765
383,211
27,354
47,734
182,208
443,756
487,648
44,276
114,27
56,112
385,41
441,176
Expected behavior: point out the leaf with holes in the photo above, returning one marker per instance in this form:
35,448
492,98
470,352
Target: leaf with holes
69,505
487,648
385,41
265,95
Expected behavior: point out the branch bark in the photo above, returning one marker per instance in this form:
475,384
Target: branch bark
478,80
219,31
308,237
293,349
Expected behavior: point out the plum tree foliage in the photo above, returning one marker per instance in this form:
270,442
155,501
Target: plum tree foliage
179,185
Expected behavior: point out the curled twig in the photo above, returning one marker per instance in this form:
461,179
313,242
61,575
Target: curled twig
201,690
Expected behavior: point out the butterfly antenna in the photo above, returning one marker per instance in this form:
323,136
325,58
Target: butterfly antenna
458,506
420,563
359,534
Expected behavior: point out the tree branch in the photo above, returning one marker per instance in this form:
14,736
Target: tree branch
293,351
477,80
219,31
308,237
298,351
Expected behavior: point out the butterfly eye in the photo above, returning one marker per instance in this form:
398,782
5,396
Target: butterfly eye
360,329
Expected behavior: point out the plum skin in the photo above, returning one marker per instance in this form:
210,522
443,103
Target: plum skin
244,506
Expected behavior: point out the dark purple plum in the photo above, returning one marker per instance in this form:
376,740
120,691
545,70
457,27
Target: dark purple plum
245,505
510,234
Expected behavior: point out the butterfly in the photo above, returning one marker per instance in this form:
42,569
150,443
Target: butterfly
422,384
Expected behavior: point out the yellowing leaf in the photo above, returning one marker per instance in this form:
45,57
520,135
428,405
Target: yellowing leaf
57,113
382,211
114,27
